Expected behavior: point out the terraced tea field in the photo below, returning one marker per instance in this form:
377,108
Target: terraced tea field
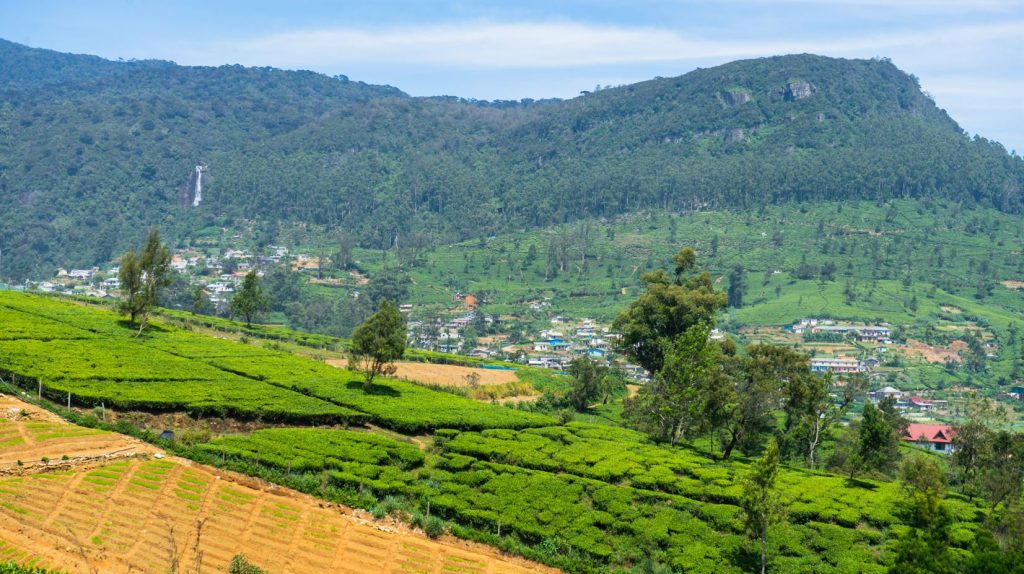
143,514
90,355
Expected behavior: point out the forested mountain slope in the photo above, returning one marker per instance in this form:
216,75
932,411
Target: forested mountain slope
91,151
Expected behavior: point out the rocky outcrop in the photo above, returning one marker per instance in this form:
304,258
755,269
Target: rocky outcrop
735,97
798,90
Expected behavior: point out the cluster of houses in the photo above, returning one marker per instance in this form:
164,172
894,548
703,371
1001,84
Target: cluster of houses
554,348
907,402
219,274
445,335
89,282
863,333
558,346
935,437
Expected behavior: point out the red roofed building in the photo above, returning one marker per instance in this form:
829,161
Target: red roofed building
933,437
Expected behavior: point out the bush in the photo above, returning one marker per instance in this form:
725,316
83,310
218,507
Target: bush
433,526
240,565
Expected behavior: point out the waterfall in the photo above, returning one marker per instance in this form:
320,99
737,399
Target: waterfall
199,186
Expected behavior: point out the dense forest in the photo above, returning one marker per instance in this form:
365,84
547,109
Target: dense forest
92,151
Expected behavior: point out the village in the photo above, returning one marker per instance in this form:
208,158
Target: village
841,348
218,272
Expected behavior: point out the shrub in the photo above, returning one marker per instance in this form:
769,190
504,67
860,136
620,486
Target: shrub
240,565
433,526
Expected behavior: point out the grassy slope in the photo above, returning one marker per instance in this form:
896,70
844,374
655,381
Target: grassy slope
875,248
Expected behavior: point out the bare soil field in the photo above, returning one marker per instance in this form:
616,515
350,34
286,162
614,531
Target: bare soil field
1011,284
517,399
935,354
29,434
145,514
447,375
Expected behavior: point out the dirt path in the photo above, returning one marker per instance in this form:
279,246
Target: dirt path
141,514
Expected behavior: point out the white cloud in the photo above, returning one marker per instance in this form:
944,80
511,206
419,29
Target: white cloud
547,45
959,64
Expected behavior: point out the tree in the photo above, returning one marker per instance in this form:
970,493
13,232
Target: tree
871,443
925,548
1002,476
200,301
759,386
282,286
879,436
975,354
587,383
674,404
737,285
250,301
130,277
240,565
828,272
669,306
811,411
391,284
378,342
973,442
142,276
761,503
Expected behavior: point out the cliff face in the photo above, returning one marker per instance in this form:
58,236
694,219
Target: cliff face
736,97
798,90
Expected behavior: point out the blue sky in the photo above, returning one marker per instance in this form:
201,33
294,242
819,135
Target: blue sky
968,54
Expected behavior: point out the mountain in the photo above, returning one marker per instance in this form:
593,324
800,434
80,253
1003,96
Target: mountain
93,151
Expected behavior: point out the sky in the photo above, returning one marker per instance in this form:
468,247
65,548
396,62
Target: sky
968,54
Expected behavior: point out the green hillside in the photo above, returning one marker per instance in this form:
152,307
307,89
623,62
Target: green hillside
935,270
62,349
115,149
582,497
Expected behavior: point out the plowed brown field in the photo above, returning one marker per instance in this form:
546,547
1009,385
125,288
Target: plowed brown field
143,514
29,434
448,375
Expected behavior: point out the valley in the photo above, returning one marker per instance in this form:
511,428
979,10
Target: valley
763,317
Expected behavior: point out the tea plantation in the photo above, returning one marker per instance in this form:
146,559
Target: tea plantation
586,497
582,497
93,355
